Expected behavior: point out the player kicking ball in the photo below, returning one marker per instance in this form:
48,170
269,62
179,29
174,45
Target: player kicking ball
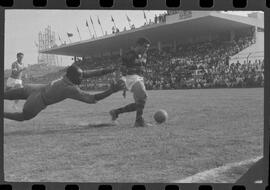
132,69
39,96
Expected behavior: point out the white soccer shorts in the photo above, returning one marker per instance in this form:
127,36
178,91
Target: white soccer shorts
11,82
130,80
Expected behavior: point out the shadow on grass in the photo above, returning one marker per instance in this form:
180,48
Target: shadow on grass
77,129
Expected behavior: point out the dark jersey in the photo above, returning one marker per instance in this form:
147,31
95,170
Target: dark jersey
133,63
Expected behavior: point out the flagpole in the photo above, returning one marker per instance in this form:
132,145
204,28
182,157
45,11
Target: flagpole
79,33
144,15
113,22
128,19
60,39
88,29
100,26
93,26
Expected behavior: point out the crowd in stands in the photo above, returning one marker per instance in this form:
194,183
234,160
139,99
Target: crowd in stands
203,65
115,30
161,18
195,65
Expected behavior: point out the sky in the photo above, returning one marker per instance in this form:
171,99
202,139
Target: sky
22,28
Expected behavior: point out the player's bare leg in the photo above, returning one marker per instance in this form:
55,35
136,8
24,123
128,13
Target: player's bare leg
15,94
15,104
140,96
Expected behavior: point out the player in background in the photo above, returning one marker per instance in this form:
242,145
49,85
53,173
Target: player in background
39,96
15,79
132,69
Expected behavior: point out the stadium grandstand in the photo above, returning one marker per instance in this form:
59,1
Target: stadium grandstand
223,50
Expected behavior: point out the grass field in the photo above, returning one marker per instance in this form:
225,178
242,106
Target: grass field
207,128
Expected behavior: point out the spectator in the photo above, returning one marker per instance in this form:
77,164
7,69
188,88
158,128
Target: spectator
193,65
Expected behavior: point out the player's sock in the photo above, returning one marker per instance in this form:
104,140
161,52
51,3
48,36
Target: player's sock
128,108
140,106
139,114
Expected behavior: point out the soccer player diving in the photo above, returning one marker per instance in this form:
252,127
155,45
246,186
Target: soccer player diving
132,69
39,96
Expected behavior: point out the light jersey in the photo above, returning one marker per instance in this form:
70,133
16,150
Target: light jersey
17,69
57,90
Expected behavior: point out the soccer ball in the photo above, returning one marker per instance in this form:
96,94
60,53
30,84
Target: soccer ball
161,116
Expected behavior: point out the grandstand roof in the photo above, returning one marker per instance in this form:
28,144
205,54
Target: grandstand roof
200,23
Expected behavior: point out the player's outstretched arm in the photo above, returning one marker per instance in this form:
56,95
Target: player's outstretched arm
77,94
97,72
115,87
